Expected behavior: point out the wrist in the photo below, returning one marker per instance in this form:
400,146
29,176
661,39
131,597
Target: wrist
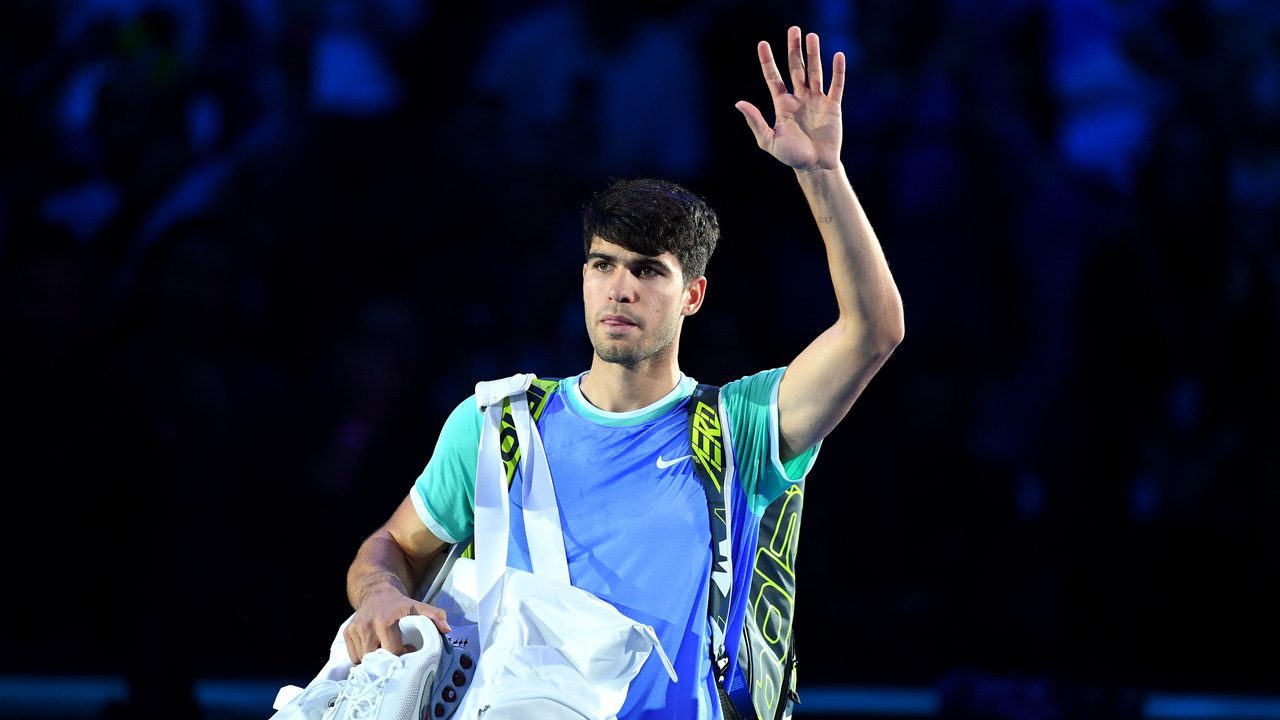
379,584
819,174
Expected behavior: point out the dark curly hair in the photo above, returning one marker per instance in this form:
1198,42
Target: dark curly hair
652,216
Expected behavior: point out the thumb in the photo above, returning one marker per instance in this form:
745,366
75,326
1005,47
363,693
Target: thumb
437,616
755,121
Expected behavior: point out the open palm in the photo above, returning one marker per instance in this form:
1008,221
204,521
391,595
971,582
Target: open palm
807,128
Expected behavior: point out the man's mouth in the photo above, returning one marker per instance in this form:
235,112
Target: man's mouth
617,321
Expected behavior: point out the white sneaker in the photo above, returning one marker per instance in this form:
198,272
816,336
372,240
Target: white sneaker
386,687
315,702
457,669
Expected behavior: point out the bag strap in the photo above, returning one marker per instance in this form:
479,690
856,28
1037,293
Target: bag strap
763,681
508,427
713,463
538,393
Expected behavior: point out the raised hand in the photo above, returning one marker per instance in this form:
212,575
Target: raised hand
807,127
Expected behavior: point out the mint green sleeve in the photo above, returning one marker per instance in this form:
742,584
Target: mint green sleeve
751,406
444,494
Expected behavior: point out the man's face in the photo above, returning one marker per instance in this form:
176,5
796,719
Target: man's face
635,303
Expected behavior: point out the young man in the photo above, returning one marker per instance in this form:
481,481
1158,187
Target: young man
633,512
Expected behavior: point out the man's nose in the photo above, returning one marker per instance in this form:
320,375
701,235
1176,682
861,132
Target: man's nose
622,289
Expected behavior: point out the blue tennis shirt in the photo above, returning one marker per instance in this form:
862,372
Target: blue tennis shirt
634,516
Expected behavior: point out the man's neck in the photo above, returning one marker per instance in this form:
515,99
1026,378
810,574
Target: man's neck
618,388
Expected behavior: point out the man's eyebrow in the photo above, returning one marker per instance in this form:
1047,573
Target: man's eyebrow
648,262
643,261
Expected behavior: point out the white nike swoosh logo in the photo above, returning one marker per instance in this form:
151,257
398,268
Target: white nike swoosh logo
664,464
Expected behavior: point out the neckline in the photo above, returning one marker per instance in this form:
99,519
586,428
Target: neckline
580,405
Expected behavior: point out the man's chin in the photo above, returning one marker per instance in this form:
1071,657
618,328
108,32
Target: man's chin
628,352
619,356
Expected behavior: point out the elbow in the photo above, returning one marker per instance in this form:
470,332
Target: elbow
883,345
888,333
883,327
876,344
875,338
894,334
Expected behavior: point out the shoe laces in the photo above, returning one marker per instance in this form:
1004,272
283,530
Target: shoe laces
365,685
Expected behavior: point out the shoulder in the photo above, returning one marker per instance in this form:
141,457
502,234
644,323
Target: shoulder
462,428
758,389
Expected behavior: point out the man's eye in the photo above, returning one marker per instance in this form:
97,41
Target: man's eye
647,272
603,266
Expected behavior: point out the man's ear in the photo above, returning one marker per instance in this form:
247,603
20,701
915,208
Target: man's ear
694,292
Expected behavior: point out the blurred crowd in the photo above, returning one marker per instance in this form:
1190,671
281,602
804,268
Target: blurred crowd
252,253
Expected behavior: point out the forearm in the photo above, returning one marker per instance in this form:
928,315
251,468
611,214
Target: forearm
379,564
869,303
824,380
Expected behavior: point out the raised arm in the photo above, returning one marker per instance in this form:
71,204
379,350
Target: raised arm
824,380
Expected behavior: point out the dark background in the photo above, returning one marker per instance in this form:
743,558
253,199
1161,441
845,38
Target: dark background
252,253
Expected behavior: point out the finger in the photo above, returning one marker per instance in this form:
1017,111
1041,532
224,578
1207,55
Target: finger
795,59
837,78
814,53
756,122
353,646
769,68
437,617
357,645
390,639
